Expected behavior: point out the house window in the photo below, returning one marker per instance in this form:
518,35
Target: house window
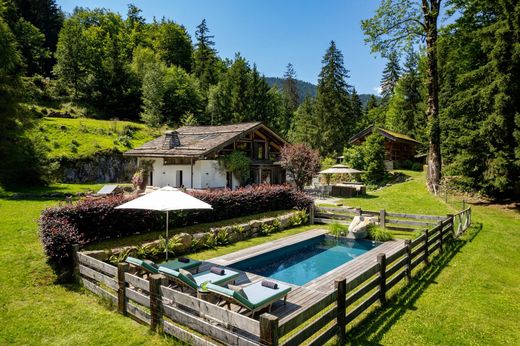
179,178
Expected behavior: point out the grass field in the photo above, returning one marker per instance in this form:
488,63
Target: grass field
82,137
469,297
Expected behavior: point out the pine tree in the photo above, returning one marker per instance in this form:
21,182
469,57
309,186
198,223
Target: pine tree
371,103
334,114
205,60
406,107
357,105
391,75
304,128
258,97
290,89
481,96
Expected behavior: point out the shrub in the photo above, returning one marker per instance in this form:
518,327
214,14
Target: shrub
416,166
379,234
337,229
406,164
237,163
374,150
267,229
94,220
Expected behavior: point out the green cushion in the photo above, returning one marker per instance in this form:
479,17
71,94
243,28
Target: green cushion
176,264
178,275
259,295
216,279
142,264
230,293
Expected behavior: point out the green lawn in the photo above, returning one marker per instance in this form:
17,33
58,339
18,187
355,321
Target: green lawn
34,310
469,296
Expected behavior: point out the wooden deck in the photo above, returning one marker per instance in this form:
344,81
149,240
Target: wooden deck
304,296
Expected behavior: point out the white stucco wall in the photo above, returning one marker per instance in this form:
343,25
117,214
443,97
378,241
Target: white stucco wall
206,174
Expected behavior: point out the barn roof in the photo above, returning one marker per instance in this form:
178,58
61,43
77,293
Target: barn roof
391,135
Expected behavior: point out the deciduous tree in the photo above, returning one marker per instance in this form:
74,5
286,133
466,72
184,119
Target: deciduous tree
398,24
301,163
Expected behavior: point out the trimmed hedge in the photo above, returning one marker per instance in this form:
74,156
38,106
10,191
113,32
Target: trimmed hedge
94,220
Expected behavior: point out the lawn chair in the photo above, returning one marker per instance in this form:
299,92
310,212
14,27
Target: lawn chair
184,281
255,298
147,267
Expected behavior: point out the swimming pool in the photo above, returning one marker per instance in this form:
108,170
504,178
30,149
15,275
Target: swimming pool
304,261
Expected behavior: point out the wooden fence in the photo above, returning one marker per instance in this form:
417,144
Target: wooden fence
393,221
166,310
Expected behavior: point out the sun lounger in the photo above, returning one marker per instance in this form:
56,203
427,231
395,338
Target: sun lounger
256,296
149,267
198,279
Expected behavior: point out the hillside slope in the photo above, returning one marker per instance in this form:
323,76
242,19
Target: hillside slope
82,137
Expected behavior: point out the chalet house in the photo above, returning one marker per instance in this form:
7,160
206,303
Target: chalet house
189,156
398,147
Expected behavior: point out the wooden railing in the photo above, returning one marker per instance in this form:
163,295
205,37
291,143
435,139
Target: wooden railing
394,221
152,302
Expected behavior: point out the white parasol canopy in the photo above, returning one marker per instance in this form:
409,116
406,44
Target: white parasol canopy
166,199
340,169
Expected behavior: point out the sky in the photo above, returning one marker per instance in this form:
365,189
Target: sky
273,33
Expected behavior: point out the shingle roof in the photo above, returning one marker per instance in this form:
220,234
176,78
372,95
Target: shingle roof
195,141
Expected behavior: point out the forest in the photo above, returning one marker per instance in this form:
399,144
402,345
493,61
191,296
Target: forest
455,88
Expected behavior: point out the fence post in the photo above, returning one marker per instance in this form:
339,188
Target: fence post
75,256
441,233
381,259
268,330
408,245
382,218
426,252
122,268
341,319
156,308
312,210
452,224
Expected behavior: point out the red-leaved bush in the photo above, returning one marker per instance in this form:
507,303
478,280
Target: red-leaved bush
93,220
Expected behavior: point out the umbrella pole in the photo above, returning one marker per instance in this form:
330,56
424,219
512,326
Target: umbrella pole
166,247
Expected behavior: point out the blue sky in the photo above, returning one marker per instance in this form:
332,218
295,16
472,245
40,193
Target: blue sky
272,33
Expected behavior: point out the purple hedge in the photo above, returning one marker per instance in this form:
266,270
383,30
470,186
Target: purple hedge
93,220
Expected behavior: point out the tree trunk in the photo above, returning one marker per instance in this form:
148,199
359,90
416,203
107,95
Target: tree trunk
431,12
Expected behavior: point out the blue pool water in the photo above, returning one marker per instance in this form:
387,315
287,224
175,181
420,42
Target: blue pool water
302,262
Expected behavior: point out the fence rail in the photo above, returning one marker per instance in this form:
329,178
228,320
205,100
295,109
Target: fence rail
152,302
393,221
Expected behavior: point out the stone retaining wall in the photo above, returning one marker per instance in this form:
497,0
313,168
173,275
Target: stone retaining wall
234,233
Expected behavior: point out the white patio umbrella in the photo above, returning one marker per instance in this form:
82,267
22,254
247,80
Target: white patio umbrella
166,199
340,169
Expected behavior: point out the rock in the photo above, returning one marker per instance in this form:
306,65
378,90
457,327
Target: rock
284,222
185,240
254,224
198,236
358,227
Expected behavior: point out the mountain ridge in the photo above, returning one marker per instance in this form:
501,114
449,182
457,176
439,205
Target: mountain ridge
308,89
